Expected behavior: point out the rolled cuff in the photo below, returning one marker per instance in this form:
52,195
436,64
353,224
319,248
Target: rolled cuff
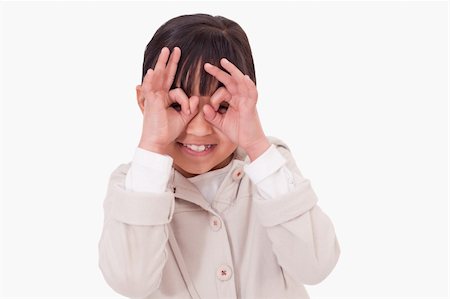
149,172
142,208
265,165
287,206
138,208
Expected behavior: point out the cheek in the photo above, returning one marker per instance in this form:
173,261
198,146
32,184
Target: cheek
173,150
226,144
227,148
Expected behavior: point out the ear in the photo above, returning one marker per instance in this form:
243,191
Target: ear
140,97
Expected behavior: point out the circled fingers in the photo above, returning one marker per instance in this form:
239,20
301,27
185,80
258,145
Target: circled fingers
219,96
178,95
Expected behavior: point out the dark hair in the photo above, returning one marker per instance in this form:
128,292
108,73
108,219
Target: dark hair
202,38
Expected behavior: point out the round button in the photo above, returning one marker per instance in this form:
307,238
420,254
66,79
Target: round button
238,173
224,272
215,223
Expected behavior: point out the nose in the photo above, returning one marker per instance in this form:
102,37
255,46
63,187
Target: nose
199,126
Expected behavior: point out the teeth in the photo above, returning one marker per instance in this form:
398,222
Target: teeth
197,148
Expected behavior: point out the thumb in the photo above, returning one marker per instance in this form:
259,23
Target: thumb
212,116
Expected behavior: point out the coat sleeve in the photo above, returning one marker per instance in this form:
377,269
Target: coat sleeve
302,235
132,247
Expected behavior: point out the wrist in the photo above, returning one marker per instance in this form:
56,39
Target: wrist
257,148
153,148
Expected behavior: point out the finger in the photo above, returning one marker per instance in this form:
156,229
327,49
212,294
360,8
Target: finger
172,67
252,91
180,97
231,68
219,96
212,116
218,73
193,105
147,83
162,59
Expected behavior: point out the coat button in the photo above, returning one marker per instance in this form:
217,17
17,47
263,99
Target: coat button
238,173
224,272
215,223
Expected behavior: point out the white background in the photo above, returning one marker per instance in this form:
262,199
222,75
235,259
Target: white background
358,90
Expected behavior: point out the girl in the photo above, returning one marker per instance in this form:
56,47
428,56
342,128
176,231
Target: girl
209,207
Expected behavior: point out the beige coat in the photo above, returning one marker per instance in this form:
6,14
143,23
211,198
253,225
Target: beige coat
177,245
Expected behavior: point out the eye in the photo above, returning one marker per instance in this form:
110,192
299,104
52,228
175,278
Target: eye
176,106
223,107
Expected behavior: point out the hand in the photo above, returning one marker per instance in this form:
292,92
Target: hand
163,123
241,121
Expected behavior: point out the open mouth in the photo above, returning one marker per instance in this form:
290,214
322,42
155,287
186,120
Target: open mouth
196,150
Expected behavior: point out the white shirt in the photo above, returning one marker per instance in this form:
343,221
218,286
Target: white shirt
208,183
150,172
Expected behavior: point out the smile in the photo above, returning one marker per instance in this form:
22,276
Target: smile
196,150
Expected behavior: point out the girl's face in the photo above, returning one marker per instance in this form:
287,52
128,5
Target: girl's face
197,160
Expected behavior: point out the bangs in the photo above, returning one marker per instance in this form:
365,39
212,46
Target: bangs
208,47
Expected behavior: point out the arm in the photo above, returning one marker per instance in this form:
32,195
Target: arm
302,235
132,247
